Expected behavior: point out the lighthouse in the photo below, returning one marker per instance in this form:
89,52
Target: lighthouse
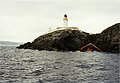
65,25
65,21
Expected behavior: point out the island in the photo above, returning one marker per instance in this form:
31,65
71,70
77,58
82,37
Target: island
72,39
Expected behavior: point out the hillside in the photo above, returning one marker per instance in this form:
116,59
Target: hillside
73,40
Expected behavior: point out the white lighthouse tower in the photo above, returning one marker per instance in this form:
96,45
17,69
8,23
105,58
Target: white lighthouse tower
65,21
65,24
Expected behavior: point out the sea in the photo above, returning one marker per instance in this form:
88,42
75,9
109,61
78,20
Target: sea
33,66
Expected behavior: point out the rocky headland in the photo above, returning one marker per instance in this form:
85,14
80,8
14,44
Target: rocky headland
72,40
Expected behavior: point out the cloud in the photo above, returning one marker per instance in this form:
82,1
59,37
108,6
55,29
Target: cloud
24,20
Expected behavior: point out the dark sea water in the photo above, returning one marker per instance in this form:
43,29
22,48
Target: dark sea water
32,66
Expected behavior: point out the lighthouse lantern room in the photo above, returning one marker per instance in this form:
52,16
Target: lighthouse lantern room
65,21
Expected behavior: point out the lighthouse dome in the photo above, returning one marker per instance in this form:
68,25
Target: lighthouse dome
65,18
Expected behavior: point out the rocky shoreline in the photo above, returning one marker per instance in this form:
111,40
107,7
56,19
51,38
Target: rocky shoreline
73,40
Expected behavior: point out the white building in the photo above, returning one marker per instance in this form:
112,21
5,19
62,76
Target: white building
65,21
65,25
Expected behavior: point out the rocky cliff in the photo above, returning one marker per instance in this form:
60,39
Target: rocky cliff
61,40
72,40
109,39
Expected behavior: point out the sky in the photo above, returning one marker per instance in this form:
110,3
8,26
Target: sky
25,20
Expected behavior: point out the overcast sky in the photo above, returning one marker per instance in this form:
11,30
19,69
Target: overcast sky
24,20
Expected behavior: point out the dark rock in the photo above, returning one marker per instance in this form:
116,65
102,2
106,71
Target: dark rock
109,39
72,40
62,40
25,46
